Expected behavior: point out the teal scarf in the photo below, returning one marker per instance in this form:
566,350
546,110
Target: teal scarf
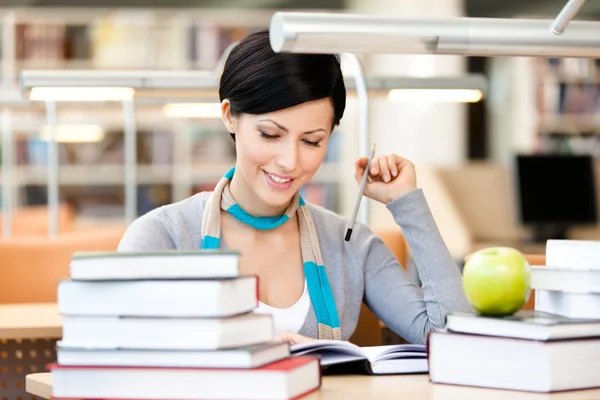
316,277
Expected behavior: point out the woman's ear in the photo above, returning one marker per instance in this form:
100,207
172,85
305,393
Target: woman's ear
227,116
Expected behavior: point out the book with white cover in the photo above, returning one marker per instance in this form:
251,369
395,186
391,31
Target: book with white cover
524,324
570,305
513,364
239,357
166,333
159,298
165,264
374,360
290,378
565,279
573,254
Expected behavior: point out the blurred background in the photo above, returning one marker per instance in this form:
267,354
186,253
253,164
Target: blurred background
515,167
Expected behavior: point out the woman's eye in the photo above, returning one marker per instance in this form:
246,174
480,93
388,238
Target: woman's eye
312,144
267,136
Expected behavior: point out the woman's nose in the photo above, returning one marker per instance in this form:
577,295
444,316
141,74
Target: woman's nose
287,158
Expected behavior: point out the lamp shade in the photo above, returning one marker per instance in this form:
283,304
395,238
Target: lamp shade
308,32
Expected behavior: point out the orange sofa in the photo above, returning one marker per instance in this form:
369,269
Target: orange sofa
35,220
32,262
31,266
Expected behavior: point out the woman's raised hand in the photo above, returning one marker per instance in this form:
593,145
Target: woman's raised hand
390,177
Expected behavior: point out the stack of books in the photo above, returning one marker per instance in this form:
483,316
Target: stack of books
552,348
167,325
569,283
529,351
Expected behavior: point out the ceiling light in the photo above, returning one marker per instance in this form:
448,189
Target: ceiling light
436,95
192,110
81,93
73,133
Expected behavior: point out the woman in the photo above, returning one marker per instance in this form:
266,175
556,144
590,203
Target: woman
280,110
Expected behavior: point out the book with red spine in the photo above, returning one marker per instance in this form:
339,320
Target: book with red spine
290,378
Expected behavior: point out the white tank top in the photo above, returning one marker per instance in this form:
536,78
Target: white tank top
291,318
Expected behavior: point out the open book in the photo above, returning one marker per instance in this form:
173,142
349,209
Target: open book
373,360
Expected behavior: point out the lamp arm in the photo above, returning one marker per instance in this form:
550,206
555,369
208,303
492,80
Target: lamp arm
565,16
363,116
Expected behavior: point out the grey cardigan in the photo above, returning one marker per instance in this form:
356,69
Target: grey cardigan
362,269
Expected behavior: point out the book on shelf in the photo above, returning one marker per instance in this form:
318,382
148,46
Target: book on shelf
159,298
167,333
289,378
524,324
567,87
343,356
512,363
240,357
166,264
127,41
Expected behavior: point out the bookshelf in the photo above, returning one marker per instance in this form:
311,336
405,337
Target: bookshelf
176,157
92,38
568,105
180,157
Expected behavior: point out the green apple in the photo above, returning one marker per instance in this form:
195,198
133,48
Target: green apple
497,281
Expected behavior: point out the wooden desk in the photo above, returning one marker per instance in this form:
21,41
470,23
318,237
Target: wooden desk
28,335
412,387
30,321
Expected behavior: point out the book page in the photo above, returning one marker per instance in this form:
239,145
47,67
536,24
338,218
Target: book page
331,351
341,346
390,352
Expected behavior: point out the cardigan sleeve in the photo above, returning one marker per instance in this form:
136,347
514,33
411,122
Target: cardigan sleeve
409,310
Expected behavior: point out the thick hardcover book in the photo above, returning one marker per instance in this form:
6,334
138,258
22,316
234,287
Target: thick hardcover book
166,264
512,363
289,378
159,298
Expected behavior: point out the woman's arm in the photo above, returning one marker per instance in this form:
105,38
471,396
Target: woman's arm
407,309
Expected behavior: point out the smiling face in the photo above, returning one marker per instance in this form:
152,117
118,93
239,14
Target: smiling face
277,153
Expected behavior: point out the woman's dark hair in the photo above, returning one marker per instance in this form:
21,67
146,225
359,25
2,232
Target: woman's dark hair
256,80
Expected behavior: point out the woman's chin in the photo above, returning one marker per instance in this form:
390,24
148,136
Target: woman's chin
276,200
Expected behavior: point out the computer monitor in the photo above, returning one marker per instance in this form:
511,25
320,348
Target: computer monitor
556,192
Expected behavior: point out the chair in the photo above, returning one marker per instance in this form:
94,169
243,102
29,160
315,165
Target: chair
368,328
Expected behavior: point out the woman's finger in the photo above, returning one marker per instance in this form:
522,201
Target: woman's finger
375,169
360,166
393,165
402,162
384,168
